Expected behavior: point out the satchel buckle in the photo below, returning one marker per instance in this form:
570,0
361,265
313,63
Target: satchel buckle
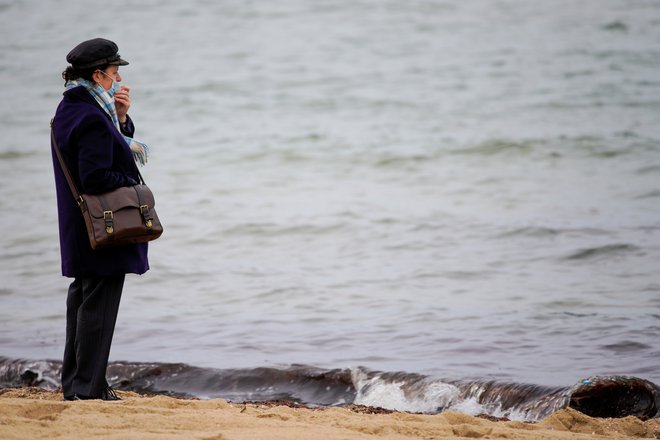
107,216
144,210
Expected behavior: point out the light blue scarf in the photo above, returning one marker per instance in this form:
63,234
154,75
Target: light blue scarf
106,100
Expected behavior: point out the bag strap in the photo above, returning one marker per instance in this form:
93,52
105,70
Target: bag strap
74,190
141,181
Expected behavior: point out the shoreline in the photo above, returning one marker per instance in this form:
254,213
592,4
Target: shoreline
37,413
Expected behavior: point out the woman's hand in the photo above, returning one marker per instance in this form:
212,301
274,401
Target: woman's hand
122,102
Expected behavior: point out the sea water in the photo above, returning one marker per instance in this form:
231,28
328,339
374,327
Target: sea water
466,190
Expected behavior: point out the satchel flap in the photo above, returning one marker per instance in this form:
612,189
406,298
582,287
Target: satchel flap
121,198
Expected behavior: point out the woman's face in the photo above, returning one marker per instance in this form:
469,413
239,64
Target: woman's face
105,77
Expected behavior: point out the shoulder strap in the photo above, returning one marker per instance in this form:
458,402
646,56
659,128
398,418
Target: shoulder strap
140,176
65,169
74,190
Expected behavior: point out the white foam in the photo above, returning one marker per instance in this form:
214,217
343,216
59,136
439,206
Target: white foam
377,392
425,396
472,407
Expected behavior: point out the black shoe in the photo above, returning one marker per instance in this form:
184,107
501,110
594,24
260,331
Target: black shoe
107,394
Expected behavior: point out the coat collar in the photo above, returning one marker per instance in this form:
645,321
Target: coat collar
80,93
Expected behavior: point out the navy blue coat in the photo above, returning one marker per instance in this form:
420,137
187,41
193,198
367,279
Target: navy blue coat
100,160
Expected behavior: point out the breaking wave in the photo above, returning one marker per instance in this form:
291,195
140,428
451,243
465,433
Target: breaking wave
600,396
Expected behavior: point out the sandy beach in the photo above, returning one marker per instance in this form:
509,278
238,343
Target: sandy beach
30,413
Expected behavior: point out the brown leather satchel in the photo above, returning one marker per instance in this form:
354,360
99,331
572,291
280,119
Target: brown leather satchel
115,218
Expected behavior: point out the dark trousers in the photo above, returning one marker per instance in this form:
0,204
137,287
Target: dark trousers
91,312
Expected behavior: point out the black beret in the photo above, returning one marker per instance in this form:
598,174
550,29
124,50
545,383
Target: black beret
95,52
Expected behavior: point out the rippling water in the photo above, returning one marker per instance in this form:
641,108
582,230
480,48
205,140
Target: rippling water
458,189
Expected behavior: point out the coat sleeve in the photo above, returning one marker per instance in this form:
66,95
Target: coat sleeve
95,159
127,128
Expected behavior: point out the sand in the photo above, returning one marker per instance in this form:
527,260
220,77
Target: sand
31,413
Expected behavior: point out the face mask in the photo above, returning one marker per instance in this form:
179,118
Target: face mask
115,86
113,89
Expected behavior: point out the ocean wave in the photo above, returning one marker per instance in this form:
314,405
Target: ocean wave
624,347
547,232
15,154
649,195
531,231
649,169
600,396
266,229
602,252
497,147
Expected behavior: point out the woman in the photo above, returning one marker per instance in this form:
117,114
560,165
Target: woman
94,134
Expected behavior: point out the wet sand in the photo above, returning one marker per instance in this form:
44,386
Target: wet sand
29,413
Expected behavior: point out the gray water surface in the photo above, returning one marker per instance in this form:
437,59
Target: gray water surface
462,189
